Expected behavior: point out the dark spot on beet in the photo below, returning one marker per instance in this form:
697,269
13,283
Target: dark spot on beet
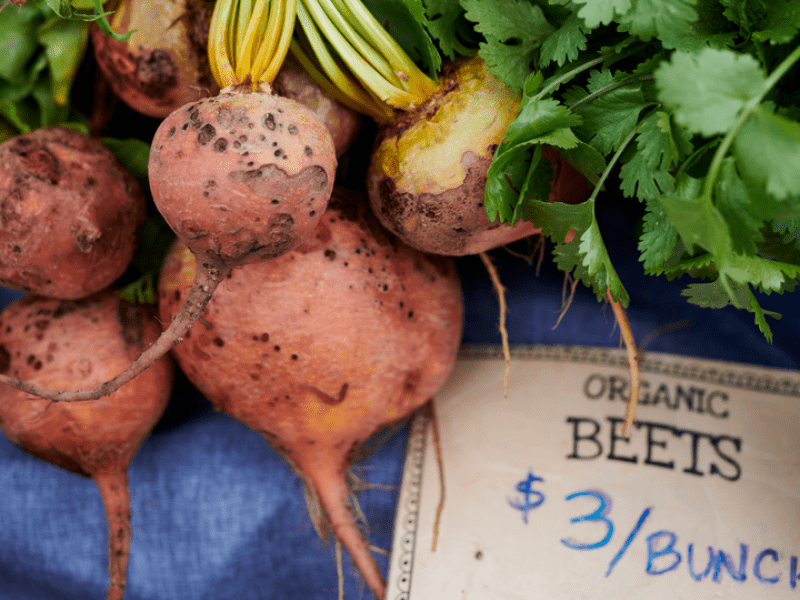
294,357
171,131
413,380
220,145
156,73
269,121
278,152
207,133
276,348
39,163
308,151
191,229
292,129
218,342
330,254
264,337
5,359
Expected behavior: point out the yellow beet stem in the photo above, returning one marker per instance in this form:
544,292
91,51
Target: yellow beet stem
368,51
358,43
218,57
249,39
418,83
360,101
281,28
117,503
340,80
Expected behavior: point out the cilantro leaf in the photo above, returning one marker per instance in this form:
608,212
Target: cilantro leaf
586,256
668,20
707,90
514,31
776,163
780,24
660,146
513,167
612,112
565,43
601,12
404,20
448,26
658,239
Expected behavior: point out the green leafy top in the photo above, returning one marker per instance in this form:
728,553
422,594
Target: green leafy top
688,102
39,57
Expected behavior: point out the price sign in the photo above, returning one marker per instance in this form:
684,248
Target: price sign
545,497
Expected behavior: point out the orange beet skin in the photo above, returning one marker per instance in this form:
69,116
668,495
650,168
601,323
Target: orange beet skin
321,348
63,344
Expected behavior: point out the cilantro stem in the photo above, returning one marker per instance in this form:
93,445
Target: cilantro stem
610,166
753,104
611,88
570,74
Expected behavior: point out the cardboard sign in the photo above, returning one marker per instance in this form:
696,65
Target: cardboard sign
546,498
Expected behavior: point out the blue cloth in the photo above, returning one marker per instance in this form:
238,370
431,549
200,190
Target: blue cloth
217,515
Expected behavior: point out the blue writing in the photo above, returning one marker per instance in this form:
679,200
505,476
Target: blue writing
525,487
601,515
723,560
668,550
628,540
690,561
773,554
664,553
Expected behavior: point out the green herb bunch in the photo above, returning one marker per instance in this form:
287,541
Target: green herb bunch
689,103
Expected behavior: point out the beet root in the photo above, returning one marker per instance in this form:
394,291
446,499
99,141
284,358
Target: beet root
342,121
69,214
164,63
242,176
321,348
427,173
59,344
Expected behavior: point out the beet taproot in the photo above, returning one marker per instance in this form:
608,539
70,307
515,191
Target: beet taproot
319,349
69,214
68,344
